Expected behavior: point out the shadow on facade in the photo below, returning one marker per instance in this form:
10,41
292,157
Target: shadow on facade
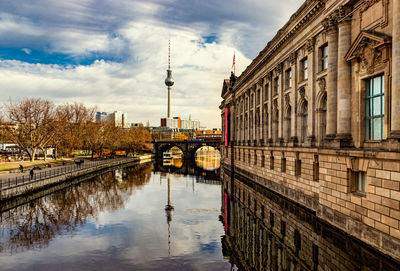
264,231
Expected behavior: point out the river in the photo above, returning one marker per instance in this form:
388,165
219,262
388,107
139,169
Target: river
175,215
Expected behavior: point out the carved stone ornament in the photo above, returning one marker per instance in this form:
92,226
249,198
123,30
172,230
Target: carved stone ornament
322,83
292,58
368,50
269,76
344,13
368,55
260,82
330,23
302,92
287,99
310,44
279,68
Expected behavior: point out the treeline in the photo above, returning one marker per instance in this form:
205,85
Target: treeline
35,124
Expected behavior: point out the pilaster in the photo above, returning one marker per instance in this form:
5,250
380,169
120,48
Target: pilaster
331,82
395,110
344,79
310,91
294,136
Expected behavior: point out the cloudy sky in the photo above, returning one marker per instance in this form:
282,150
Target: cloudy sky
113,54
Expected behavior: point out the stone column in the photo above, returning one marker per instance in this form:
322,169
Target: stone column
331,82
269,78
262,112
395,120
310,44
247,112
293,98
280,102
343,79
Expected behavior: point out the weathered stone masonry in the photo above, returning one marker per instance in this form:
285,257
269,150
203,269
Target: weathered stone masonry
315,116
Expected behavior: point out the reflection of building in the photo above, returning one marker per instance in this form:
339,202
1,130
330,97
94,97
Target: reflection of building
315,116
264,231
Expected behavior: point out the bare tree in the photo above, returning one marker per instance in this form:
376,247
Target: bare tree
74,120
30,124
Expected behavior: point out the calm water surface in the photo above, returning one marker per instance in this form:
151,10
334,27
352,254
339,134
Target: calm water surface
118,221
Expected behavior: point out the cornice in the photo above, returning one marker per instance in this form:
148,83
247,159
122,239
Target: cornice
304,15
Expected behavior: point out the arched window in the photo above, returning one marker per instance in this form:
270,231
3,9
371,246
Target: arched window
287,123
266,123
304,124
321,114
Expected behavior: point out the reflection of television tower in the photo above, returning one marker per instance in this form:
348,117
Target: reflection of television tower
169,81
169,210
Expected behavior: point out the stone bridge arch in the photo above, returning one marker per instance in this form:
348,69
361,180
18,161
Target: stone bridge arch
188,148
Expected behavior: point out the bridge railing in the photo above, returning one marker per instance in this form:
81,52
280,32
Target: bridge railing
10,182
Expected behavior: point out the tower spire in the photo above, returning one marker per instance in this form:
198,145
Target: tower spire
169,81
169,55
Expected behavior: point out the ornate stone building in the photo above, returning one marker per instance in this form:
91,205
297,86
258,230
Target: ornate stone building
316,116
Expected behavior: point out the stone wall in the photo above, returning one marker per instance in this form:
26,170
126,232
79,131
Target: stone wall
267,230
323,185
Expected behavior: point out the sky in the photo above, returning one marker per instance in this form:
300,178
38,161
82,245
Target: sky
113,54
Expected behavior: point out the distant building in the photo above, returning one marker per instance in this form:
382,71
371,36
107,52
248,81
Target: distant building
119,118
178,123
209,134
101,116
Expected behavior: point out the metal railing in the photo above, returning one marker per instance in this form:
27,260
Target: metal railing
47,173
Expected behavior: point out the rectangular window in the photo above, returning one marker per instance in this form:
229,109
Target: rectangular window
276,85
375,107
258,96
266,92
288,78
304,69
316,168
283,164
360,181
324,57
271,162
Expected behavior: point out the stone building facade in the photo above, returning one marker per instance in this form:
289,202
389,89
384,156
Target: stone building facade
266,232
316,116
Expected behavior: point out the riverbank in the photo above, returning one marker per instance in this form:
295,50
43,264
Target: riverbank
16,185
9,167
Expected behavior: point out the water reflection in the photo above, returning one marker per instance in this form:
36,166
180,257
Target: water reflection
266,232
34,225
119,221
208,162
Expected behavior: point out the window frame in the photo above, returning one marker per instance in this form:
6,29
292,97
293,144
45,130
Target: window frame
304,69
288,78
324,57
370,102
276,85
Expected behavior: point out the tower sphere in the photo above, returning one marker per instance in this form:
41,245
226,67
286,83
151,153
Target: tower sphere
169,81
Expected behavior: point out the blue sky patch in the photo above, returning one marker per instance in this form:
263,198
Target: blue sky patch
35,56
210,39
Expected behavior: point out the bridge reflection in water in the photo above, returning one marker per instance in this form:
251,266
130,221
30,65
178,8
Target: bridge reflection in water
267,232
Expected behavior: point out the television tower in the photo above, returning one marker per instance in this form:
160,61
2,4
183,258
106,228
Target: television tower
169,81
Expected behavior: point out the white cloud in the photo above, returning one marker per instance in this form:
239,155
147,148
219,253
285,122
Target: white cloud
136,34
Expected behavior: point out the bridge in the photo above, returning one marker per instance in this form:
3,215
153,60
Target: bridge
188,147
